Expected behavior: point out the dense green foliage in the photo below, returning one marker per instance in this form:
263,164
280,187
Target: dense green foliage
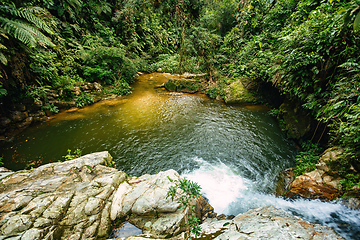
307,159
308,49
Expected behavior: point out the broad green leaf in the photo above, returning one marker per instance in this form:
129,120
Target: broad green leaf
357,22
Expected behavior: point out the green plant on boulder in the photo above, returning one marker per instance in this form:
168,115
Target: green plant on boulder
237,93
189,192
69,156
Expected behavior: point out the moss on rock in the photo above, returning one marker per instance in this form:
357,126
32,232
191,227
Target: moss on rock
237,93
184,85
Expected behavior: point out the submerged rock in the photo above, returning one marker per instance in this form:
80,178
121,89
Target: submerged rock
184,85
284,181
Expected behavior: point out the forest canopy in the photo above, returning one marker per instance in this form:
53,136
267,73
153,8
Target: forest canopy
307,49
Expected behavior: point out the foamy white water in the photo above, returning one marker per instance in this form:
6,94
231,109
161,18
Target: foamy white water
220,185
229,193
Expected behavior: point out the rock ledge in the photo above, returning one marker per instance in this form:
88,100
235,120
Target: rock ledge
80,199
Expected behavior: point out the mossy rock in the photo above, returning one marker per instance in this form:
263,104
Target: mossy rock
237,93
184,85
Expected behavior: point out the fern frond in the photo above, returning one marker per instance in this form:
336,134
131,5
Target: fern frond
24,32
75,3
76,27
3,59
41,39
38,10
18,30
71,13
27,13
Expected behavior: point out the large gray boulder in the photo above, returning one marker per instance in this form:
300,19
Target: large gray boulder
59,200
80,199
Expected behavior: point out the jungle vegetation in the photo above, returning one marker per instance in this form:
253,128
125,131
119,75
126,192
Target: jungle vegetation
307,49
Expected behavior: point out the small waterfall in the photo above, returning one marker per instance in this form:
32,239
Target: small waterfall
231,194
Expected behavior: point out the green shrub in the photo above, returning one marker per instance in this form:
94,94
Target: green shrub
350,181
51,107
273,112
167,63
212,92
83,100
307,159
37,93
121,88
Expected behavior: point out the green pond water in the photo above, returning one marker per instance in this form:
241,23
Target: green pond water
153,130
234,152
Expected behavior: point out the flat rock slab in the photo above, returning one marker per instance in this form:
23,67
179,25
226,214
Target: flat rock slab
59,200
271,223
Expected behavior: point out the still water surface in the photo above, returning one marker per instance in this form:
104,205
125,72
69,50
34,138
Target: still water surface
234,152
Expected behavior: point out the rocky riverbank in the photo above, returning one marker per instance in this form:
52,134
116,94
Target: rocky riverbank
323,183
82,198
42,105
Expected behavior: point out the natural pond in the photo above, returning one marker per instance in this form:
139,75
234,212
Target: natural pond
234,152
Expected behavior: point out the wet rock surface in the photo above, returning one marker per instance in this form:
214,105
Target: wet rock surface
262,223
296,121
81,198
184,85
321,183
266,223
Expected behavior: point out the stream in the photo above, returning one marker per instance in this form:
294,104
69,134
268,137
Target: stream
234,152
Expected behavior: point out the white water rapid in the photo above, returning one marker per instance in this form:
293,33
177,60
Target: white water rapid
231,194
